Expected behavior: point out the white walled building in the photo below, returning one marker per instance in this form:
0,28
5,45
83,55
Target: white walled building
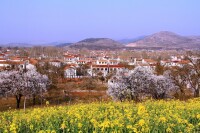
70,72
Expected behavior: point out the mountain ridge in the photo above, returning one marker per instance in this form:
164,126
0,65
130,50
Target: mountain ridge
162,39
167,39
97,43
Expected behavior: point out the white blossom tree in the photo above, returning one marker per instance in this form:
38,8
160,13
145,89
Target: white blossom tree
160,86
117,89
13,84
35,83
140,82
19,83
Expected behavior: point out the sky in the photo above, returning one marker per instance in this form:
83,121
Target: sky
45,21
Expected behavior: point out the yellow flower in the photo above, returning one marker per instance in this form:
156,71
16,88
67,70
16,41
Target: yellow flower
135,130
141,122
94,122
162,119
129,126
198,116
41,131
63,126
53,131
105,124
5,131
31,127
79,125
141,110
169,130
13,127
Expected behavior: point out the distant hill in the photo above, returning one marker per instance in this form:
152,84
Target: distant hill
52,44
167,39
63,44
17,45
126,41
97,43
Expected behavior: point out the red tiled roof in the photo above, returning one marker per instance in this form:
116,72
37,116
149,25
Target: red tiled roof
69,66
55,60
150,60
33,61
12,62
2,59
184,62
110,66
4,62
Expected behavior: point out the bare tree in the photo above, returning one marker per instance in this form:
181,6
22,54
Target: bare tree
179,79
192,71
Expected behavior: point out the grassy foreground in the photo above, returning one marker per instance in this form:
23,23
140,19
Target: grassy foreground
149,116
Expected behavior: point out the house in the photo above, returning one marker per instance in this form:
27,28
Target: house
114,61
102,62
70,72
176,58
150,61
55,62
2,59
7,53
104,69
13,64
136,61
2,55
5,64
18,58
70,58
175,63
82,62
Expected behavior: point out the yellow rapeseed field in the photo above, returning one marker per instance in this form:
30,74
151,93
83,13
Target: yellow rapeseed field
147,117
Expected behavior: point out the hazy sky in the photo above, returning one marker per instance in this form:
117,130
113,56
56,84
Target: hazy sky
41,21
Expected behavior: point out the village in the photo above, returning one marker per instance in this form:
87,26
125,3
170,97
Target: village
85,75
98,62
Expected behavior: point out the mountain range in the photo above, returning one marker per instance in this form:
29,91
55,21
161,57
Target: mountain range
167,39
163,39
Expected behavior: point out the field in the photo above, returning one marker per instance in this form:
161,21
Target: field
150,116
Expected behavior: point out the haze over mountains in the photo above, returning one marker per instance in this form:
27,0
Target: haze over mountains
163,39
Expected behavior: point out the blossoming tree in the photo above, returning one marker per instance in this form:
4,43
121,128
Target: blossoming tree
140,82
19,83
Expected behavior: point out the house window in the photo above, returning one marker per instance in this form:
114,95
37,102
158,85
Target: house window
101,68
